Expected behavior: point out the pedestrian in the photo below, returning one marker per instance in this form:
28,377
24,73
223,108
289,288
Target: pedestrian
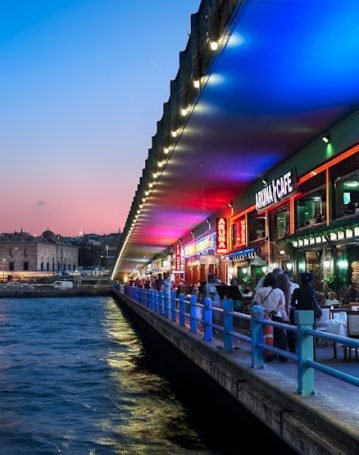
271,298
304,298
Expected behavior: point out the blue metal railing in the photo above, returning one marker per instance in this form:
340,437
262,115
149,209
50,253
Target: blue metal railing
221,320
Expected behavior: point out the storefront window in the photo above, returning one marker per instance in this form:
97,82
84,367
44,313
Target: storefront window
280,222
347,196
311,209
256,226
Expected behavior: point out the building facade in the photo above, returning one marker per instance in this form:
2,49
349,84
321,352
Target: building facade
22,252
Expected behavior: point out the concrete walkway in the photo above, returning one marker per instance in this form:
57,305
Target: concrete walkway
324,423
336,399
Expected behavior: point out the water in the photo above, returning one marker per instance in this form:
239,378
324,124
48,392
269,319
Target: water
82,376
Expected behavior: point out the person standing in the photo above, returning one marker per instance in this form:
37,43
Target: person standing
272,299
303,298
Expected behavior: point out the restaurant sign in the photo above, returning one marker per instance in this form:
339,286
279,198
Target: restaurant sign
276,191
178,256
221,235
200,246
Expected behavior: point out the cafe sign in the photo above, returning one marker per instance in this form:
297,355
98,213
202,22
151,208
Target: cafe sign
221,235
276,191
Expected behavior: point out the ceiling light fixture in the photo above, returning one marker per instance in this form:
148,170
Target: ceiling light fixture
213,44
326,138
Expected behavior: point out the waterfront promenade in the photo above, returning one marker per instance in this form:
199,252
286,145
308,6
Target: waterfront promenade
325,423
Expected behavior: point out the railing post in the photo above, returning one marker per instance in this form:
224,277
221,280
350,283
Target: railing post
160,299
156,301
173,305
304,319
150,299
182,318
192,311
257,337
228,324
166,304
207,320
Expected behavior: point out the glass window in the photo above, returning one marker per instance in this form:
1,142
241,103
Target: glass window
11,266
347,196
25,252
311,209
257,229
280,222
26,266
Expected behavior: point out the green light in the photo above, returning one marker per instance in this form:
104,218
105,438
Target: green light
329,152
342,264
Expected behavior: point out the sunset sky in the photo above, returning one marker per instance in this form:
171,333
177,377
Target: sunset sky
82,85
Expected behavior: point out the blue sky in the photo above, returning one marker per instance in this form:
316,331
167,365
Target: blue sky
82,85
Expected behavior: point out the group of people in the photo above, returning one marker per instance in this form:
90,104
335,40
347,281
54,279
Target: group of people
280,297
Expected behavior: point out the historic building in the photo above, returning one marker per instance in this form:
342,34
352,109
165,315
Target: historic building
22,252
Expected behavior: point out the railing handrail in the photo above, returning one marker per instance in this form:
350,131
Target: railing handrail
169,305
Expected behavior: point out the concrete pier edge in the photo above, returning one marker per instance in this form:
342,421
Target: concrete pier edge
300,421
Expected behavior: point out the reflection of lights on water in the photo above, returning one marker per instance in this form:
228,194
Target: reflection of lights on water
147,408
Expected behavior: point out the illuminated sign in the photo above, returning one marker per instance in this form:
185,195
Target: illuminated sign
221,235
207,243
240,231
276,191
178,256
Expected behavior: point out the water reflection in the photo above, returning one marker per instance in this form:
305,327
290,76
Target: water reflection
153,420
81,376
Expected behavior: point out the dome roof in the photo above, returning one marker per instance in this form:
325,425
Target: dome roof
49,236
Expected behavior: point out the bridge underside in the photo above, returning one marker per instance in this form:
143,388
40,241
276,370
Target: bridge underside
287,73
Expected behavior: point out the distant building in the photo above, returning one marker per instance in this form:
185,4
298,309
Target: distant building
97,250
22,252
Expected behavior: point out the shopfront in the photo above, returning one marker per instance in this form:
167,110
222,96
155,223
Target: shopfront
303,223
326,240
201,259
